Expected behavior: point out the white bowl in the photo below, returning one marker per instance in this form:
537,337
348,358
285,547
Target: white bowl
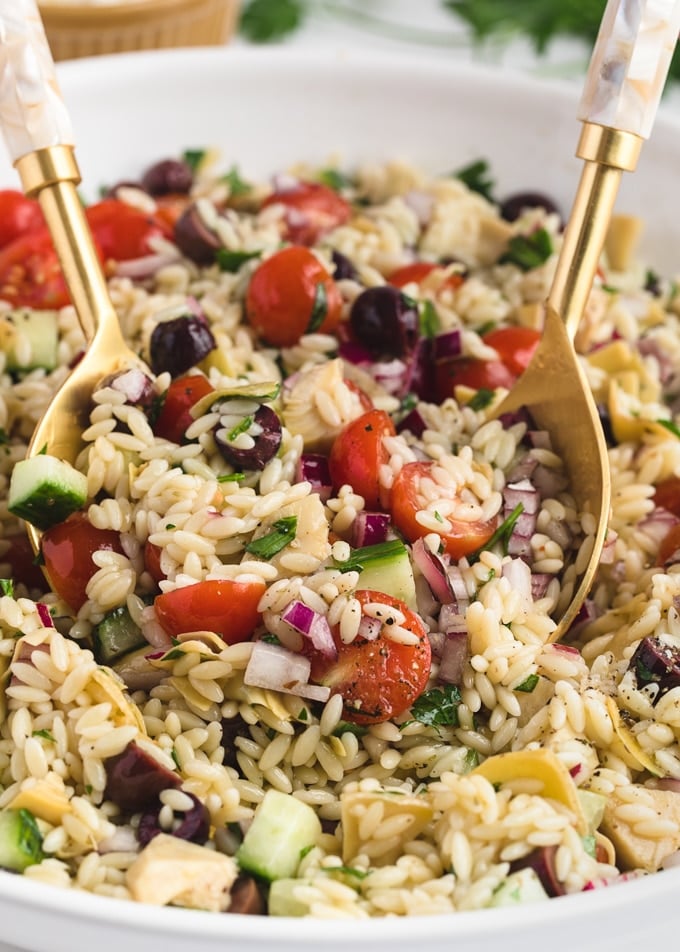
265,110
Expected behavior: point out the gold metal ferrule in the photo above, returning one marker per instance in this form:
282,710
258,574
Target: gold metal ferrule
607,154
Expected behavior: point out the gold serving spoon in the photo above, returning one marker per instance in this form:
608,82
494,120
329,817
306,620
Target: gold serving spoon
622,91
39,137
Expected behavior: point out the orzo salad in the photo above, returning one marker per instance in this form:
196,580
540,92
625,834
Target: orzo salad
295,657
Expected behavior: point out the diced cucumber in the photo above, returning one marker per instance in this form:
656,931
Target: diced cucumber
29,339
283,828
116,635
593,805
519,887
20,840
44,490
392,575
282,900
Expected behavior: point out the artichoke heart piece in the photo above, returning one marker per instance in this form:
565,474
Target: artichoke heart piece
44,800
107,687
264,392
537,765
625,744
389,803
300,410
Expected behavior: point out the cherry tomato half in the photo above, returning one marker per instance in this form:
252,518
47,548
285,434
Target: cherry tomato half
358,453
380,678
470,372
67,550
670,544
152,561
175,415
30,273
123,232
515,346
18,215
225,606
418,271
667,495
459,538
22,564
292,294
312,210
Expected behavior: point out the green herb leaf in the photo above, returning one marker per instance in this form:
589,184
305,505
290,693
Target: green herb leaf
282,532
334,179
528,684
481,399
270,639
476,177
670,426
346,871
242,427
438,707
502,533
193,158
231,478
319,308
429,322
471,759
45,734
237,185
264,21
345,727
231,261
173,655
7,586
370,554
528,251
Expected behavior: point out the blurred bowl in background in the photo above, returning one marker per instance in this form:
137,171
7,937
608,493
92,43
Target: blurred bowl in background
78,29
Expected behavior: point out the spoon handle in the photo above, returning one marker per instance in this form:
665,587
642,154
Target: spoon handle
32,112
630,63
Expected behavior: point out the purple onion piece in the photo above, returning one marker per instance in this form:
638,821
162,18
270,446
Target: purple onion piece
134,384
435,572
179,344
523,491
312,626
168,176
266,442
542,861
656,662
313,468
369,528
447,345
44,615
134,779
453,657
194,825
413,422
194,239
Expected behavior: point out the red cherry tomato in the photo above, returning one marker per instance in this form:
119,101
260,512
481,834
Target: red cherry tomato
18,215
22,565
292,294
515,346
670,544
418,271
30,273
358,453
152,561
381,678
667,495
123,232
461,538
225,606
175,415
470,372
67,550
312,210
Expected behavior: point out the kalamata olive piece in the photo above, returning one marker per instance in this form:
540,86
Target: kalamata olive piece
167,176
134,779
246,898
513,206
194,239
385,321
193,825
179,344
656,662
542,861
344,269
256,442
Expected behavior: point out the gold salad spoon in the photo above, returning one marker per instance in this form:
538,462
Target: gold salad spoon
39,137
623,87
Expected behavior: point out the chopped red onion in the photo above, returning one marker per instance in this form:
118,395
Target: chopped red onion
518,573
458,586
414,422
44,615
311,625
434,570
391,375
313,468
436,639
539,439
421,204
539,584
446,345
134,384
285,182
524,469
549,482
453,657
137,269
658,524
369,528
277,669
451,620
369,628
521,491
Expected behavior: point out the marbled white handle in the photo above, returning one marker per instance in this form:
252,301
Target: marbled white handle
630,63
32,112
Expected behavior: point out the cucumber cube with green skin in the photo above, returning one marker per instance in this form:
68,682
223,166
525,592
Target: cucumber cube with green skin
519,887
392,575
29,339
282,900
44,490
116,635
283,830
20,840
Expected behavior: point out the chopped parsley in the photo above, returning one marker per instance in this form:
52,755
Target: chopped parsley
347,871
481,399
528,684
266,21
241,427
7,586
319,308
370,554
282,532
428,319
231,261
193,158
477,178
231,478
670,426
502,534
334,179
237,185
345,727
438,707
45,734
528,251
